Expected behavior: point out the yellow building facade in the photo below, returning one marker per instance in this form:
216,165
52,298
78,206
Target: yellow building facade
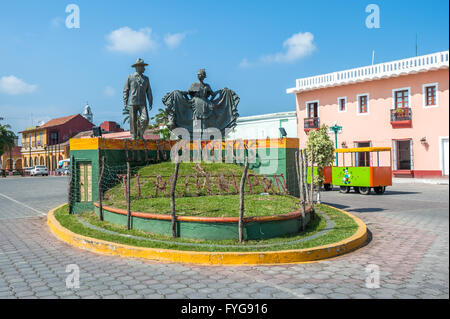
48,144
37,151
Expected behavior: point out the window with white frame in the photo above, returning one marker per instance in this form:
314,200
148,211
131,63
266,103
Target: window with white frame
401,98
312,109
430,95
363,104
342,104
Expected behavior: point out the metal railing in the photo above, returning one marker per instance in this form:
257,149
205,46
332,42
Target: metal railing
401,114
312,122
376,71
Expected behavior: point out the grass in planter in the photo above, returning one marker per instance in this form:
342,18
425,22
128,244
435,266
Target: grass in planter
215,206
115,195
345,227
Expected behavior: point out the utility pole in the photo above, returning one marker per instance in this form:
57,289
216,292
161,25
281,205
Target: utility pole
416,45
336,128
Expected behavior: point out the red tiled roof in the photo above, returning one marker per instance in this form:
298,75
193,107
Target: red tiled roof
59,121
16,151
124,135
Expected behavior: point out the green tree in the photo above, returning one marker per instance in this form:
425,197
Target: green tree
159,124
321,145
7,138
126,114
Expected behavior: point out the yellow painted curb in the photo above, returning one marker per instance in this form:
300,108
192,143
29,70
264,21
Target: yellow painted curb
213,258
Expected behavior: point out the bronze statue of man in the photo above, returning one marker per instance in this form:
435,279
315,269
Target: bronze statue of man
136,92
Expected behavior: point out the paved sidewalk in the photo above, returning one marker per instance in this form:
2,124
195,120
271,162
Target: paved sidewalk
433,181
410,246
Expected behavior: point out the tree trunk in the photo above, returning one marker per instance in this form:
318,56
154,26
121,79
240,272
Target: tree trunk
305,181
128,196
241,201
312,181
302,189
172,199
318,194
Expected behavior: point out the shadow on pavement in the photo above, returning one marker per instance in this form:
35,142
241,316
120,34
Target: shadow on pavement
356,210
366,210
388,192
372,193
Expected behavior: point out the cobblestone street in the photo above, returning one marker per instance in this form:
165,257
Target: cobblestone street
410,245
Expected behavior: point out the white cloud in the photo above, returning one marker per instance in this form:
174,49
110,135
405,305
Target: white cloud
244,63
296,47
174,40
127,40
56,22
13,86
109,91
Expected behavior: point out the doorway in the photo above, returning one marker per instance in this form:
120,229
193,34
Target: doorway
403,155
445,159
85,182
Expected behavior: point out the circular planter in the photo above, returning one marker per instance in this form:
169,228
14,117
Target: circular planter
208,228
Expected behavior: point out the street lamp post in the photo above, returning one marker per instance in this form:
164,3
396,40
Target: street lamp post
336,128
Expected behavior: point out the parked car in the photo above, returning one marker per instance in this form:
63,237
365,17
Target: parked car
62,171
28,170
39,170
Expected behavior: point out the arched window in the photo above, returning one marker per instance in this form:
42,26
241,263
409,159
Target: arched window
18,164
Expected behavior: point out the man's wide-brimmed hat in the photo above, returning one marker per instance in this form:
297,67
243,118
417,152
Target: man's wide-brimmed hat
139,62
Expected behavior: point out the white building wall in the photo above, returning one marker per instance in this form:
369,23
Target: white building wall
265,126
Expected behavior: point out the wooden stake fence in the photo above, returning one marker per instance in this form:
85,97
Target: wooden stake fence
128,196
172,199
241,201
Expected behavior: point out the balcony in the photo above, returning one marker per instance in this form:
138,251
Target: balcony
401,118
311,123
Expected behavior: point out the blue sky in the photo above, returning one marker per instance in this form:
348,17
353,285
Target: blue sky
48,70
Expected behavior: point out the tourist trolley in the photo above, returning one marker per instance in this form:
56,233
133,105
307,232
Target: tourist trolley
360,168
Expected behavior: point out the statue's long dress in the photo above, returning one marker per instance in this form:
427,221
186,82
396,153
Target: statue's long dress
220,113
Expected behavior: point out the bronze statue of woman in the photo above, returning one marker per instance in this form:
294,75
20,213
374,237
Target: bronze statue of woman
199,103
201,97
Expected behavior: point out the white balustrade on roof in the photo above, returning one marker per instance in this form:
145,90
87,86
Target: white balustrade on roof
413,65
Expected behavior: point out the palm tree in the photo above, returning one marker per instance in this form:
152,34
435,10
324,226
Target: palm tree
7,140
160,120
126,113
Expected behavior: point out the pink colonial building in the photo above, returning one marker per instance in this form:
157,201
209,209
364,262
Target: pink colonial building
401,104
